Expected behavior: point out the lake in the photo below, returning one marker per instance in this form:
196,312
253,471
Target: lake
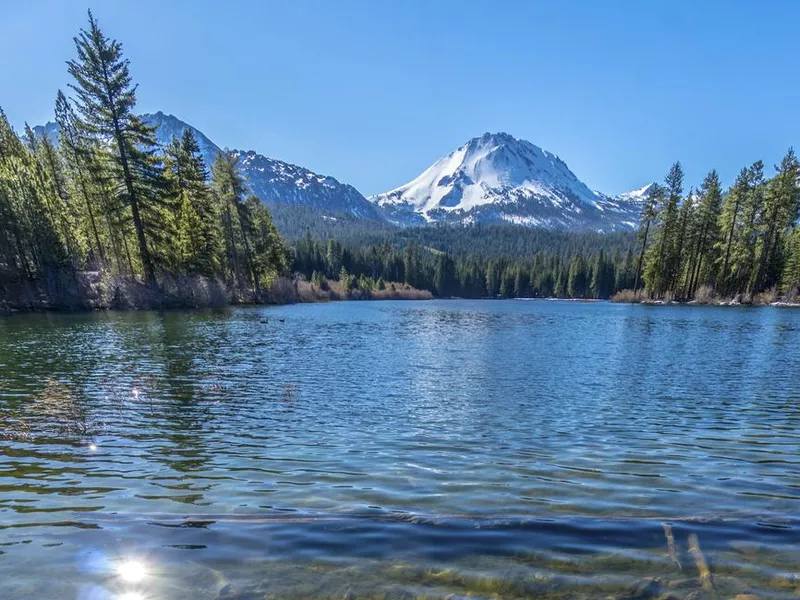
439,449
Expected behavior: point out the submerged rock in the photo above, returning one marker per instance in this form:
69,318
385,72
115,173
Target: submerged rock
682,584
234,592
647,588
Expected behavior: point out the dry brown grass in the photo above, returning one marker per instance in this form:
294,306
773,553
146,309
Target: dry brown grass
305,291
705,295
766,297
628,296
406,293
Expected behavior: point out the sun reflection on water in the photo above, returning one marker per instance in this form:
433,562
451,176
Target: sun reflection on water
132,571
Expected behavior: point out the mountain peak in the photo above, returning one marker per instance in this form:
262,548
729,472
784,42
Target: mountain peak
498,177
637,195
500,137
491,168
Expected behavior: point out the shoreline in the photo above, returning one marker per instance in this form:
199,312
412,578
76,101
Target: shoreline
717,303
88,291
706,296
71,292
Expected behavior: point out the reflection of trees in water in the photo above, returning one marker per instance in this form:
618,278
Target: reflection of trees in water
54,411
187,393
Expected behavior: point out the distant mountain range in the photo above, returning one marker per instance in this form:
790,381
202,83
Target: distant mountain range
493,178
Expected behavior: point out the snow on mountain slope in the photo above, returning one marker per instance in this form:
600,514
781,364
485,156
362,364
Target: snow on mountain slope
639,195
275,182
487,168
496,177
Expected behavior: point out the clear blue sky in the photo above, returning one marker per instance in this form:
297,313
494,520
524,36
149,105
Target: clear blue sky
373,91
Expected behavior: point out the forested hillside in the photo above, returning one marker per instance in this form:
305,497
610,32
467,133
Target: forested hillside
479,261
108,198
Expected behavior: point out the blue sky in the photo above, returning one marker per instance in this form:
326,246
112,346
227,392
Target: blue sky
373,91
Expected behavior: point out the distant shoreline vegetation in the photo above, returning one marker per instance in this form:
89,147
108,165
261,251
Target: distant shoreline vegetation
107,218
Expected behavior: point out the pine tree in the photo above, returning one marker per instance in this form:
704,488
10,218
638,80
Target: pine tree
106,98
77,154
269,254
663,261
521,282
198,239
66,212
31,227
602,284
655,197
493,276
781,202
333,257
444,276
687,217
578,278
791,274
229,190
708,212
746,239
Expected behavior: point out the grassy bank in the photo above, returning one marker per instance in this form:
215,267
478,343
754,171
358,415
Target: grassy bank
706,296
70,291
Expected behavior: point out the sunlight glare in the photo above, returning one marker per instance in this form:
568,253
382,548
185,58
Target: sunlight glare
131,571
130,596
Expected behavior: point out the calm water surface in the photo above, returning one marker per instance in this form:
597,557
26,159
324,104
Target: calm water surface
495,449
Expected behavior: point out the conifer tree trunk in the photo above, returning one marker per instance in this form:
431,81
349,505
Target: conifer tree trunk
144,252
92,219
641,257
728,244
766,250
248,255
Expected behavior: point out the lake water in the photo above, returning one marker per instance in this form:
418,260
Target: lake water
487,449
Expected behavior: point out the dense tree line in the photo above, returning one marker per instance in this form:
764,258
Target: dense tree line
469,275
741,242
107,197
472,261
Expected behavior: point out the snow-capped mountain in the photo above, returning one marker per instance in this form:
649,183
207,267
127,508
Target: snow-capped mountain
498,178
274,181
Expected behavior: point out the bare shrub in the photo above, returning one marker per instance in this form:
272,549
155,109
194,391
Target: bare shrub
704,295
766,297
282,291
403,294
628,296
